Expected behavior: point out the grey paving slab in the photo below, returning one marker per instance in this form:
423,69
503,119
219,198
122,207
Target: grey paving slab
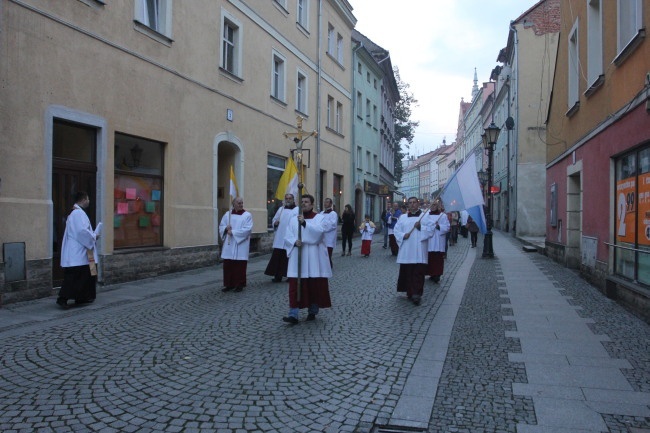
554,346
611,396
548,391
572,414
577,375
563,360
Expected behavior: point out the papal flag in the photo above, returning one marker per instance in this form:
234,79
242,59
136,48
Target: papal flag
289,182
234,192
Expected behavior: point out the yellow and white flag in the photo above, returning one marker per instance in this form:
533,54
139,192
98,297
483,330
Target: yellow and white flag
288,182
234,192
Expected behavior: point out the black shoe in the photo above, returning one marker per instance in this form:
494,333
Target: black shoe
63,303
238,289
416,300
277,280
227,289
310,317
385,247
83,301
290,320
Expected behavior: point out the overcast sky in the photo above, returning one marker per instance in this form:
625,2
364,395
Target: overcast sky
436,44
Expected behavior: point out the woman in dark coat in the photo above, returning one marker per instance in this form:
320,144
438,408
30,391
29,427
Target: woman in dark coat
347,229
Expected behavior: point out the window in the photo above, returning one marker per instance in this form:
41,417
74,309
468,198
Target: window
138,192
374,84
374,116
155,14
368,111
368,76
330,111
277,77
594,41
368,166
574,68
359,105
359,68
339,48
231,44
331,41
359,161
629,21
303,13
632,203
339,117
274,168
374,164
301,92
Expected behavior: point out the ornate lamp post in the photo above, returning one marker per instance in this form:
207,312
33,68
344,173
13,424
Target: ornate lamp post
489,137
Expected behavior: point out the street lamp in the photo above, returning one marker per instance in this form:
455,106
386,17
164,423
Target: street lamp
489,137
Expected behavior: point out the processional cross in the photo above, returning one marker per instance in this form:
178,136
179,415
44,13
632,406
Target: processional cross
299,138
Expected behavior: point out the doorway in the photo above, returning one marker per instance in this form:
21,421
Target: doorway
74,168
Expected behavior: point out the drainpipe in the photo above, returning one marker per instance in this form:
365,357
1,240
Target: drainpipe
516,140
353,147
319,193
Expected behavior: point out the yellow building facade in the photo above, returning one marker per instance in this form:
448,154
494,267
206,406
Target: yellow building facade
147,105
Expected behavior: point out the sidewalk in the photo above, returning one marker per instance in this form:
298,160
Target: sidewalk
511,344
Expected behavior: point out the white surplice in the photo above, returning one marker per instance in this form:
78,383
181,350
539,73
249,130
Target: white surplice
438,240
413,249
332,221
236,246
283,215
78,237
315,262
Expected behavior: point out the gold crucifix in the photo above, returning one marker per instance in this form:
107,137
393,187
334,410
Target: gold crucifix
301,135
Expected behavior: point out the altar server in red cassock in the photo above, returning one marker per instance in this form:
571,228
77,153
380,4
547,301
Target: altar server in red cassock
439,225
367,229
235,230
412,237
315,269
277,267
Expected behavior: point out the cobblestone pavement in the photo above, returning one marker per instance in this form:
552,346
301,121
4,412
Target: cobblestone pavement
188,358
197,359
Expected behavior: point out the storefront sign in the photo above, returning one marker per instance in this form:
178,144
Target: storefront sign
626,209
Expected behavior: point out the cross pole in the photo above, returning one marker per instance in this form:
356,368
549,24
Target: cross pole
299,137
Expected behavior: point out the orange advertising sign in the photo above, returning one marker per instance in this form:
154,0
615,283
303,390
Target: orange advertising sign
626,209
644,209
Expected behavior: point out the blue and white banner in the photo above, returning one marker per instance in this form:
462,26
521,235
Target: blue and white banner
463,192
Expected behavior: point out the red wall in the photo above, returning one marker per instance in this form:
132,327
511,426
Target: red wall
597,193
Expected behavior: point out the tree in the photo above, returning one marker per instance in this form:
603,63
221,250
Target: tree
404,126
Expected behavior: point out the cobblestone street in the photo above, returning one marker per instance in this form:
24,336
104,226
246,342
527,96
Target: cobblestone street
175,354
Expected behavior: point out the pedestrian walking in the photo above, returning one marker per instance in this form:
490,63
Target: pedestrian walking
463,223
412,237
277,266
235,230
472,228
347,229
79,256
384,222
314,268
367,229
437,243
330,235
395,214
453,226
